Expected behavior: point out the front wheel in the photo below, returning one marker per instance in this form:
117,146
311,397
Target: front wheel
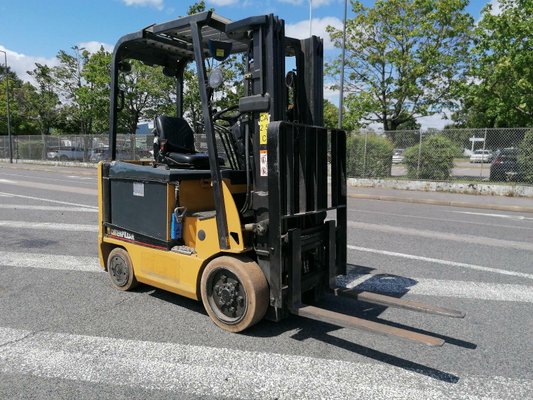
120,269
234,292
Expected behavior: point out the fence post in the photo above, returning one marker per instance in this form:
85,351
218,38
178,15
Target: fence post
364,154
419,154
483,155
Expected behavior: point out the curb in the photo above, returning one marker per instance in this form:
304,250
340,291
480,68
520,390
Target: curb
463,204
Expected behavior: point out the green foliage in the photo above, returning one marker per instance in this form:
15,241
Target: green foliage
436,158
500,89
525,157
368,156
403,58
331,115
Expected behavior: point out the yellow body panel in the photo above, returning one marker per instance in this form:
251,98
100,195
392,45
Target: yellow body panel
169,270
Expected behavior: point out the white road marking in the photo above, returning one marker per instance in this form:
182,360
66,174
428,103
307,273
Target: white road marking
376,283
445,220
55,188
455,237
230,372
515,217
47,200
49,261
83,178
49,226
443,262
397,285
47,208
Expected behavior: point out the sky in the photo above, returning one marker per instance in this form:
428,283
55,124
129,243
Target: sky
35,30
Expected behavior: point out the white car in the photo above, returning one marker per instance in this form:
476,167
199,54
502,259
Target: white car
397,156
481,156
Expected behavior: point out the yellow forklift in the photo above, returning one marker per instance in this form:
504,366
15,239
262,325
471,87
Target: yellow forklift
256,226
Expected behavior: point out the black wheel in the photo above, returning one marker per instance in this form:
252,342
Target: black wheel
234,292
120,269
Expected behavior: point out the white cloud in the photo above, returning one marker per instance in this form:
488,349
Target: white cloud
147,3
223,2
315,3
300,30
436,121
94,46
496,8
20,63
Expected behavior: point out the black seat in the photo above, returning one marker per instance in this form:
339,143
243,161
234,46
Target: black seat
178,150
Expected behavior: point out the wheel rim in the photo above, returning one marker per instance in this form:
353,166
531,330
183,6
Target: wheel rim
119,271
226,296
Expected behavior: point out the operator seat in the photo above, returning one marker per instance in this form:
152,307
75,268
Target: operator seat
174,144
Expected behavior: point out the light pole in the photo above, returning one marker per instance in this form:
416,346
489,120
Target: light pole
341,94
7,107
310,18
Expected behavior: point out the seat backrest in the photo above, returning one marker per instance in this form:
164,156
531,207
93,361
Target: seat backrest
177,132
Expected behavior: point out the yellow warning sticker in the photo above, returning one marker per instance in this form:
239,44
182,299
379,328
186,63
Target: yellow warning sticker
220,52
264,120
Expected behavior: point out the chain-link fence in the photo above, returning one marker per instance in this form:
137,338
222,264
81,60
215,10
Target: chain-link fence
443,155
85,148
81,148
450,154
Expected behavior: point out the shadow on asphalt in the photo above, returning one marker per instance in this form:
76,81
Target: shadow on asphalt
320,330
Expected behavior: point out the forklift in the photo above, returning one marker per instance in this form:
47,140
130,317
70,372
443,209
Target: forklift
256,226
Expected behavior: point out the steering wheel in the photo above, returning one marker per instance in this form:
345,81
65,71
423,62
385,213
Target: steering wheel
231,119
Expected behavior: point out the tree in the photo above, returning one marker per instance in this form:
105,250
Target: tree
500,88
19,92
43,101
147,93
403,58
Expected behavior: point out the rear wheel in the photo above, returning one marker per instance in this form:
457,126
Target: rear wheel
234,292
120,269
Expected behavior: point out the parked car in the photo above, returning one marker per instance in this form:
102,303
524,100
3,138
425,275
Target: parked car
65,154
481,156
505,166
103,153
397,156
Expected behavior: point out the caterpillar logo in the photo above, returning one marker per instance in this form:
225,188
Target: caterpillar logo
122,234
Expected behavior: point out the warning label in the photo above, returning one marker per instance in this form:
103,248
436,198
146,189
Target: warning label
264,120
263,162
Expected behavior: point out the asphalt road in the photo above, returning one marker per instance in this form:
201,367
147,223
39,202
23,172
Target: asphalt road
66,333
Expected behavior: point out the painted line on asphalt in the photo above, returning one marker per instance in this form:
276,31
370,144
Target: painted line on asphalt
49,261
455,237
378,283
514,217
399,285
46,178
52,226
443,262
445,220
55,188
47,208
232,373
47,200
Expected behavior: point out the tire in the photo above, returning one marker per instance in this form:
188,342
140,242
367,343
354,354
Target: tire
63,158
120,269
235,292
